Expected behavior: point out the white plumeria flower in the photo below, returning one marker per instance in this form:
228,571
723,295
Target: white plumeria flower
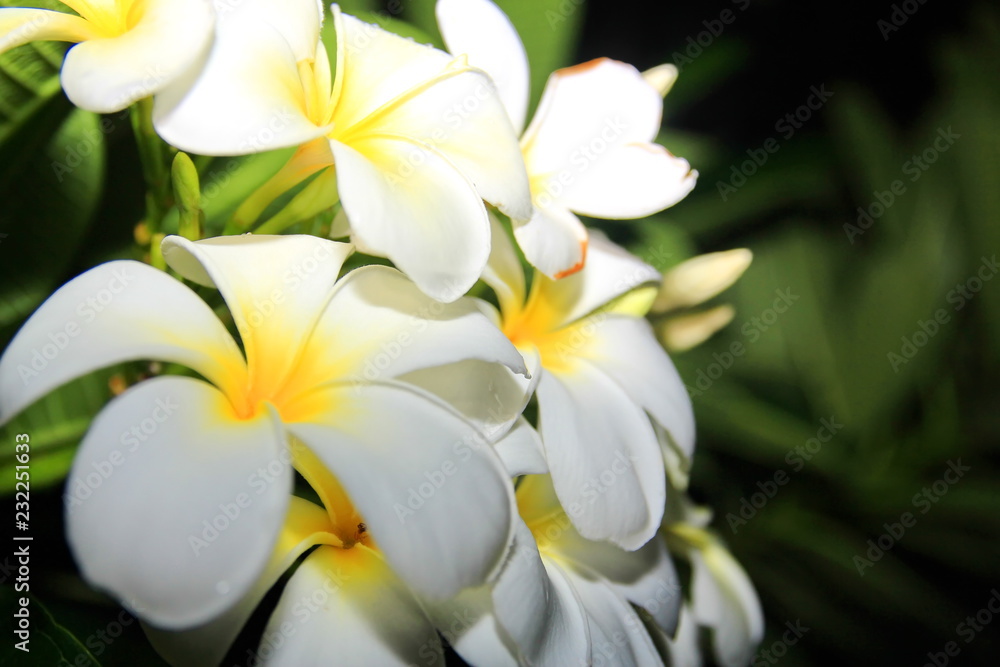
212,460
588,149
723,598
344,604
417,138
127,49
561,599
604,385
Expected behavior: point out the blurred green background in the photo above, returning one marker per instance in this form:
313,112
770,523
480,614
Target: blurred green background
875,212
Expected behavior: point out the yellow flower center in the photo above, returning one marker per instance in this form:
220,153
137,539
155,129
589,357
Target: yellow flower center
109,19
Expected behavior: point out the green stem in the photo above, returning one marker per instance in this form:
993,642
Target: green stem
319,195
153,153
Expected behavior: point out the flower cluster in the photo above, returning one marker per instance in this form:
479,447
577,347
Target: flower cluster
413,462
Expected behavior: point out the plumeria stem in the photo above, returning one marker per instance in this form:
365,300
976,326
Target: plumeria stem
153,155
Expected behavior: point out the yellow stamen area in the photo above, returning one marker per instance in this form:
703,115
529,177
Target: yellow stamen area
109,20
540,324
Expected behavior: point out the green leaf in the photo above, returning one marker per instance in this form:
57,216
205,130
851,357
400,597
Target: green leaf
48,207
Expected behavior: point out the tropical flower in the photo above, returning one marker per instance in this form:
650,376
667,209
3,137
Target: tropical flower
588,149
181,485
604,385
690,284
562,599
343,604
126,49
722,597
417,138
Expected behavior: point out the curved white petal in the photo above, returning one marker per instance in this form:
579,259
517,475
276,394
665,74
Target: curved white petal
305,526
504,273
630,181
724,599
538,607
610,272
379,326
617,634
20,25
249,96
460,116
481,31
683,649
410,204
432,492
162,506
345,606
586,110
275,286
521,450
554,241
646,577
171,38
118,311
603,456
468,624
626,349
375,67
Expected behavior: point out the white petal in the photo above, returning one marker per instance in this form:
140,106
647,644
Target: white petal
432,492
504,273
305,526
20,25
374,67
171,39
410,204
467,623
521,450
481,31
118,311
646,577
394,87
584,111
489,395
275,286
539,609
603,455
347,607
162,506
249,96
381,327
725,600
617,635
683,649
630,181
626,349
554,241
610,272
